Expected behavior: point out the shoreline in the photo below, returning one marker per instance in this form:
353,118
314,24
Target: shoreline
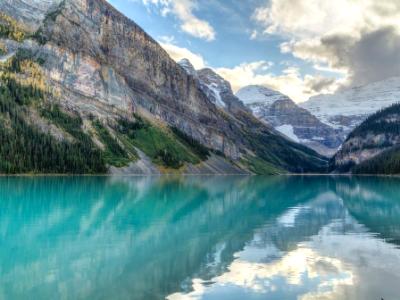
193,175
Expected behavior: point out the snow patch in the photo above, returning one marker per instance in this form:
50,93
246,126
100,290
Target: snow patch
356,102
255,94
213,87
288,130
6,57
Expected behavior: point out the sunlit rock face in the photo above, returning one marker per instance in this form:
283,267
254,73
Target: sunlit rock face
29,12
99,60
217,89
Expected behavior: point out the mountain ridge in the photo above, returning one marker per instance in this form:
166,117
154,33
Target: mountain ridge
291,120
348,108
373,147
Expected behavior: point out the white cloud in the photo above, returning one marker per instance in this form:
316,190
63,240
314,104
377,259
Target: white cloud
290,83
359,38
254,35
183,10
178,53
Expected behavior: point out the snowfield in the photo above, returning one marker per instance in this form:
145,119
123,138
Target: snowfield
356,102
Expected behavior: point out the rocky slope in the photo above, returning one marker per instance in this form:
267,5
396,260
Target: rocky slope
123,91
374,146
288,118
347,109
217,89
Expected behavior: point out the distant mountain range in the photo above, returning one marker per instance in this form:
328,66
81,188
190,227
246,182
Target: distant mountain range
324,121
290,119
348,108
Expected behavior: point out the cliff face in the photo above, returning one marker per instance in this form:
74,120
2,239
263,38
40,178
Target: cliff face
101,65
112,48
28,12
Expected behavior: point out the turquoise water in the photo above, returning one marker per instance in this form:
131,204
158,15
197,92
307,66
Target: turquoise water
199,238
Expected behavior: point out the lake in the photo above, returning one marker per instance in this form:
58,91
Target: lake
221,237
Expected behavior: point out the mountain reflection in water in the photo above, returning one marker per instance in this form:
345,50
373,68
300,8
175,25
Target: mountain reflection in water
199,238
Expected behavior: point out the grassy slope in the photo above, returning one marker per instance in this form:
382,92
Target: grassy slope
282,155
162,145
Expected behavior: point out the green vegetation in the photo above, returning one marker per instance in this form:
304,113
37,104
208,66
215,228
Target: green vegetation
201,151
161,145
379,122
388,162
11,29
51,17
3,49
114,154
19,60
25,149
259,166
22,95
23,88
24,71
384,122
71,124
277,151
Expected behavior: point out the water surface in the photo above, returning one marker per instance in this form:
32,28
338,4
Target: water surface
199,238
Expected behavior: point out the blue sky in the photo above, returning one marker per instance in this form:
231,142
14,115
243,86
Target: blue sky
277,43
231,21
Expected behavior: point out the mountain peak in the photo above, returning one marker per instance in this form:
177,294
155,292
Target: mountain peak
187,65
259,94
288,118
211,77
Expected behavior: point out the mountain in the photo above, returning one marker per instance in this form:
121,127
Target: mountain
348,108
288,118
373,147
217,89
85,90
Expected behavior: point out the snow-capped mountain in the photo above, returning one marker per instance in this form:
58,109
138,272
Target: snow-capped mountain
187,65
254,95
217,89
348,108
290,119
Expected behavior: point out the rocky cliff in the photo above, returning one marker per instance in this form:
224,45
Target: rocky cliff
101,67
217,89
288,118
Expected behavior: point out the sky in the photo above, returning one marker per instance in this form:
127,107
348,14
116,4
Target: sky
299,47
